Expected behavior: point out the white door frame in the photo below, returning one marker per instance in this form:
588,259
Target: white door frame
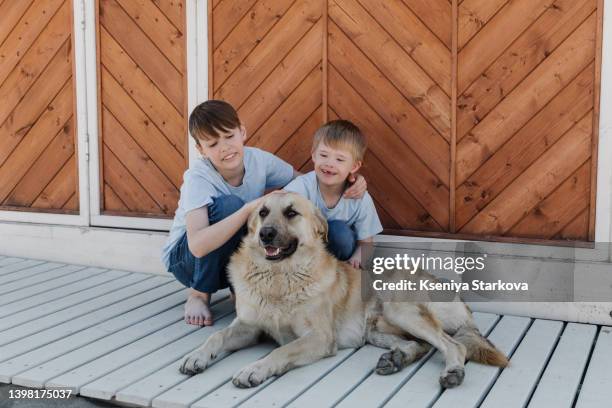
197,63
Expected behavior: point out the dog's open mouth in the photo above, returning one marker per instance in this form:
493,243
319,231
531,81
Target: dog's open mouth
274,253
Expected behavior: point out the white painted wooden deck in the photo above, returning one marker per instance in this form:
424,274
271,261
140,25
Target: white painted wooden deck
119,336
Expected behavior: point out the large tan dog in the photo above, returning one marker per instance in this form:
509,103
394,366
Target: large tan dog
289,287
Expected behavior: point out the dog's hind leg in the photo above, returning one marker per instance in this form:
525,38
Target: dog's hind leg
234,337
403,352
418,321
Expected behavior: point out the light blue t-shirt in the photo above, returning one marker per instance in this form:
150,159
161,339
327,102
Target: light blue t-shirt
357,213
202,182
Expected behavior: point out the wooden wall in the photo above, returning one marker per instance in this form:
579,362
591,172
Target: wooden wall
526,118
481,114
38,162
143,98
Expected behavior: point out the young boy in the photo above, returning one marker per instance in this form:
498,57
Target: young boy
337,152
219,192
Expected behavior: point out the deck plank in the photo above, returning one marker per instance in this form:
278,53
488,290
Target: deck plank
596,391
516,383
37,270
100,343
145,369
9,260
145,390
386,386
46,303
80,311
559,384
228,395
67,276
61,339
18,265
338,383
478,377
120,355
37,275
293,383
197,386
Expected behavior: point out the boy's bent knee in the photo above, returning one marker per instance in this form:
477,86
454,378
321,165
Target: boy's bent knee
341,239
224,206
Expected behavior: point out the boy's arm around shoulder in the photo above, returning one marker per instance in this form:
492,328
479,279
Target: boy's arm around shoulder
358,187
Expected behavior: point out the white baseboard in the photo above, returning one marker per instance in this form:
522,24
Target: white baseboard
130,250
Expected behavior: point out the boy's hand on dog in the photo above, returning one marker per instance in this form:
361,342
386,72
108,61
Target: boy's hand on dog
252,205
358,186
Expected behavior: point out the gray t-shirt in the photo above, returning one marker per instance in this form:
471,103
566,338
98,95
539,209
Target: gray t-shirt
357,213
202,183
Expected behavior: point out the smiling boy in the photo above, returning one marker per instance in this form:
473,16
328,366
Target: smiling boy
337,152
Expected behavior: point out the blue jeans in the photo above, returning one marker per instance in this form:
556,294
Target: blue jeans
208,273
341,239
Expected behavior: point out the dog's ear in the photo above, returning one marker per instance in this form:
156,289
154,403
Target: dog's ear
320,224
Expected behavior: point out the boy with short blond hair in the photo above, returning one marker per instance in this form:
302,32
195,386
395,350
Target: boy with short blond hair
219,191
337,153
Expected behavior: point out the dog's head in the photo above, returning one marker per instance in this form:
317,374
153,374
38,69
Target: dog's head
282,223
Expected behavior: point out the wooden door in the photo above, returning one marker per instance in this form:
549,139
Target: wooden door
142,112
38,162
481,115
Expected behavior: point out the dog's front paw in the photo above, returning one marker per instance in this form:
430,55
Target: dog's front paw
452,378
194,363
251,376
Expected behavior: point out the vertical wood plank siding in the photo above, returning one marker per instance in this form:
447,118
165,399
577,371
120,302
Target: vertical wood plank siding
481,115
38,164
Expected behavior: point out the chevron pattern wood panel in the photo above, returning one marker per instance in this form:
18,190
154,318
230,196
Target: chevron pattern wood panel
38,168
390,73
267,61
481,114
526,86
143,114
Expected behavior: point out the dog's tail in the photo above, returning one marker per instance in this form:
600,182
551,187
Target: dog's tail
480,349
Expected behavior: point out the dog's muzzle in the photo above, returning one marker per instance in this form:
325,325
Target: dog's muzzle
276,250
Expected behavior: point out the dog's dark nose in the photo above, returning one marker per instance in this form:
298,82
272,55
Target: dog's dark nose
267,234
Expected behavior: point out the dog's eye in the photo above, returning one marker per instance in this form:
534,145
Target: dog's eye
264,212
290,213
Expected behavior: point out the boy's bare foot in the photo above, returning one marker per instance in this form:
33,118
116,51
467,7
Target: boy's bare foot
197,309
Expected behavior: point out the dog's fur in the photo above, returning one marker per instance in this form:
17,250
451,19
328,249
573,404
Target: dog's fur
311,304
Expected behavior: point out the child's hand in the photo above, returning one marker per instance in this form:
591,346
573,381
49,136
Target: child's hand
253,205
354,262
355,259
358,188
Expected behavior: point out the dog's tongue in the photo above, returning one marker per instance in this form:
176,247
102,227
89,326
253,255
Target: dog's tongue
272,251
